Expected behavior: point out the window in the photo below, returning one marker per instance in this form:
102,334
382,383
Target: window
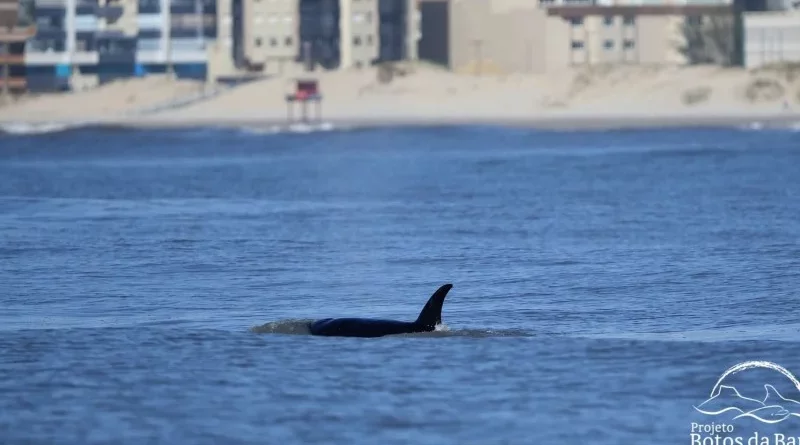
695,20
577,44
369,40
576,21
629,20
258,41
45,45
288,41
357,41
628,44
273,42
608,20
608,44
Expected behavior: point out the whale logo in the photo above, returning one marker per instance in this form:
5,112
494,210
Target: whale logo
772,408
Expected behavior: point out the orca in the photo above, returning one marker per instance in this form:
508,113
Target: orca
430,316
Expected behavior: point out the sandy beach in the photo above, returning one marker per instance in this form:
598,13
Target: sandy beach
597,97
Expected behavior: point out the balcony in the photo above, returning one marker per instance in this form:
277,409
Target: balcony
110,12
566,3
12,59
664,2
46,58
16,34
14,83
631,3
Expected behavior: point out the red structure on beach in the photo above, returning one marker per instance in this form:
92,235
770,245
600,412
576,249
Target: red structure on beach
306,90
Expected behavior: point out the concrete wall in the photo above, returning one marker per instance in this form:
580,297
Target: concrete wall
507,36
413,33
358,22
771,37
220,53
497,36
270,33
609,38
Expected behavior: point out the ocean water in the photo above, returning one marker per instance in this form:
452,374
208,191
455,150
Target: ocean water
155,285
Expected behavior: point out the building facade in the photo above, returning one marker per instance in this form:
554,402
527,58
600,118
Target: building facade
772,37
284,36
16,26
507,36
82,43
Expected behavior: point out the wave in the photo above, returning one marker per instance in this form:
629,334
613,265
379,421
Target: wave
23,128
31,128
41,128
289,327
784,333
291,128
793,127
300,327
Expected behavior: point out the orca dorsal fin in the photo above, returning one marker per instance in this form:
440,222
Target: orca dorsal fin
431,314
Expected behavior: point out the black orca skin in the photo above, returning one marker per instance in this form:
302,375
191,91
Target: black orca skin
429,317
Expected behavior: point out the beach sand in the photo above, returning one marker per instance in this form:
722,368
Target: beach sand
596,97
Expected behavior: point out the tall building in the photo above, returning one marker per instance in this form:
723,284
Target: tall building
16,26
274,36
359,38
505,36
82,43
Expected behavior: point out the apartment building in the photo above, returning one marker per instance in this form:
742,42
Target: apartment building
772,35
270,27
358,24
16,27
278,36
505,36
630,33
82,43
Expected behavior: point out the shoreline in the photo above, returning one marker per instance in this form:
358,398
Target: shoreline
560,121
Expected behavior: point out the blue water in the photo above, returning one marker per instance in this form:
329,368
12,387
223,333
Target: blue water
154,284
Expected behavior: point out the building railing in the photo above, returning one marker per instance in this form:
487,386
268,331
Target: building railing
11,59
16,34
601,3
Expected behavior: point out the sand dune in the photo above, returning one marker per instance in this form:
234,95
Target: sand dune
430,93
102,102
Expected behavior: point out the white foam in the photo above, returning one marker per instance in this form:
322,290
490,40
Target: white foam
292,128
23,128
755,126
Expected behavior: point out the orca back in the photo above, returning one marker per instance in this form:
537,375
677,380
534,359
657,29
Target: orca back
429,317
360,327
